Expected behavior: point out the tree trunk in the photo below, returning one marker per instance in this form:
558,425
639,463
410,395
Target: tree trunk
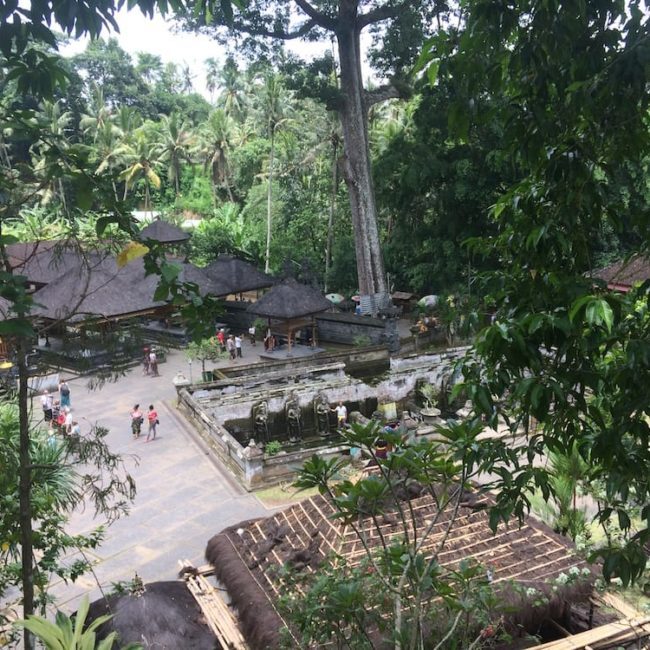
358,176
330,221
24,491
269,199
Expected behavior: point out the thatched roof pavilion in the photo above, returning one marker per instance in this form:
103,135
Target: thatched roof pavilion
42,262
238,275
295,305
247,558
164,232
98,288
624,274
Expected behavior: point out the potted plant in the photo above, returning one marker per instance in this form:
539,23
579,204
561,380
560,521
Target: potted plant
429,412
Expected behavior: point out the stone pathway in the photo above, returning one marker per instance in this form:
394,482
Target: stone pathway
183,495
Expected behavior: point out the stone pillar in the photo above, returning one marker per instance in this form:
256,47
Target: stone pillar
253,458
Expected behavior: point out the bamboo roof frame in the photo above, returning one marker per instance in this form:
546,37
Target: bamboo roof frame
531,555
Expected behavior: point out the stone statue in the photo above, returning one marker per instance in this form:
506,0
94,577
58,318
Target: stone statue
260,422
322,412
294,421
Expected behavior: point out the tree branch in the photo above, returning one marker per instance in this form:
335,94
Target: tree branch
319,18
285,36
379,14
381,94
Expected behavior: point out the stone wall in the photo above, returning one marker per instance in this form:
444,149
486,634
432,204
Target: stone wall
332,327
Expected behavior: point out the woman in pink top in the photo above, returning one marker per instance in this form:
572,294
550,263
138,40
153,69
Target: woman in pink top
152,417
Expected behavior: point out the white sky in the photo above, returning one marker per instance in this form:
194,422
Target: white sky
156,36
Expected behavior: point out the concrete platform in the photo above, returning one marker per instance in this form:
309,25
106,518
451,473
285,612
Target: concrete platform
297,352
183,494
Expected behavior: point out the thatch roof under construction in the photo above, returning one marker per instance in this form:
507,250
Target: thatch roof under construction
237,275
247,557
164,615
290,300
164,232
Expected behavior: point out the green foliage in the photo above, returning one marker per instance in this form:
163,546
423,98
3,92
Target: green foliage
273,448
563,349
57,487
397,589
66,634
204,350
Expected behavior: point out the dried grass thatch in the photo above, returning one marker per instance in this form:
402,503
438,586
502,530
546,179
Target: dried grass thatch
290,300
625,273
164,232
237,275
164,616
247,557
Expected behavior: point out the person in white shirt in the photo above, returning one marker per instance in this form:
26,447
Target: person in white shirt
238,345
47,402
341,414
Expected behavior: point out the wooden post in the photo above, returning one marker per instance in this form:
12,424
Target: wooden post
314,332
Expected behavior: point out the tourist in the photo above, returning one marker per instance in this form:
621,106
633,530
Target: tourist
238,345
221,337
341,414
136,421
60,420
153,363
68,420
145,361
251,334
76,429
230,346
47,401
152,418
64,393
56,414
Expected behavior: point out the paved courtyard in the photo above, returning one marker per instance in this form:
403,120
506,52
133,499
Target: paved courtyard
183,495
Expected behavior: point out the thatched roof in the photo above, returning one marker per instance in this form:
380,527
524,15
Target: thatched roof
289,300
625,273
99,288
206,283
247,557
164,232
165,615
5,308
238,275
42,262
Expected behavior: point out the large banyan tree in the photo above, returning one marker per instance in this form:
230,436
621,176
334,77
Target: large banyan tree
397,27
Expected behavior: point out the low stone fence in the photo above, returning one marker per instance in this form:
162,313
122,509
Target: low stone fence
370,360
250,466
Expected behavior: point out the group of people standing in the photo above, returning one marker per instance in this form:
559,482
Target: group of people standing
137,420
232,344
150,362
57,412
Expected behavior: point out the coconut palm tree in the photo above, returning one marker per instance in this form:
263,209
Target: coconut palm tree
53,145
233,90
174,147
274,105
214,145
211,76
98,115
141,159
